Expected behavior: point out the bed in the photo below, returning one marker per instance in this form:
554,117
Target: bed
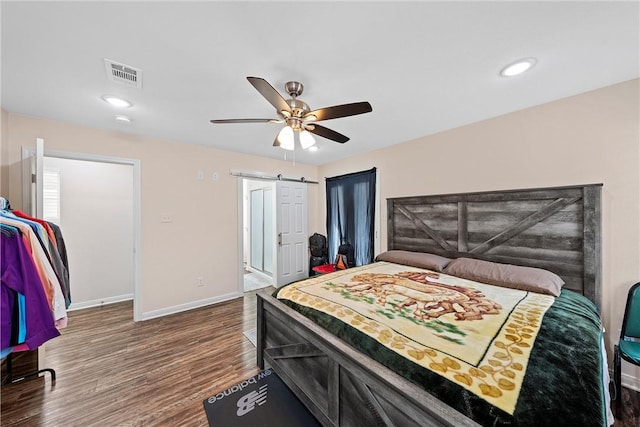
364,368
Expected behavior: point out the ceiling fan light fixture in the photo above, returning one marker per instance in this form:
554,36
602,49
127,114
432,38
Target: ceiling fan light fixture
306,139
298,117
285,138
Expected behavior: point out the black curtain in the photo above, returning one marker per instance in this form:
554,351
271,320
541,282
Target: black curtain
350,214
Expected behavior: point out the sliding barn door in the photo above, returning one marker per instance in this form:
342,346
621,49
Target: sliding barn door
292,245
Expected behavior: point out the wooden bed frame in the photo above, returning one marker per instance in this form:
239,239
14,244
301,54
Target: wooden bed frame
557,229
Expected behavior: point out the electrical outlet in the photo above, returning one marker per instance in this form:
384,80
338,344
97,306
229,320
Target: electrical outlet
166,217
214,176
199,281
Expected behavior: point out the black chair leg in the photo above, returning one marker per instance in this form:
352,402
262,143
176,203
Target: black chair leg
617,377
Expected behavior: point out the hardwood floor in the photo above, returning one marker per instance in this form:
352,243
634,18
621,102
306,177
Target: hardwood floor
112,371
629,415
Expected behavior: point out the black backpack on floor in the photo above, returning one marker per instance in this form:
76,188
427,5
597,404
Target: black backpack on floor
318,245
318,252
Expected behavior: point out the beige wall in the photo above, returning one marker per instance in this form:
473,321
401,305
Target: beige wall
589,138
202,240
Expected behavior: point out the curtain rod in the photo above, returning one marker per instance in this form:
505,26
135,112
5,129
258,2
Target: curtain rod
278,177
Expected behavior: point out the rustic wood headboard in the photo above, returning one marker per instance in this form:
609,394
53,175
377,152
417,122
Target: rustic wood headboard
557,229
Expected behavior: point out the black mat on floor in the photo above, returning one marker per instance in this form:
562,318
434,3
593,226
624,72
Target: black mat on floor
260,401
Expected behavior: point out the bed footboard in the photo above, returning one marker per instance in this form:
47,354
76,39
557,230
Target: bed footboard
339,385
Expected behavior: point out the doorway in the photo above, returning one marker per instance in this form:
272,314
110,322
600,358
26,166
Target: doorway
92,202
259,234
261,230
33,160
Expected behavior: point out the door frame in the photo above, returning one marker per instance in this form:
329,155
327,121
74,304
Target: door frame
241,246
135,163
267,193
252,176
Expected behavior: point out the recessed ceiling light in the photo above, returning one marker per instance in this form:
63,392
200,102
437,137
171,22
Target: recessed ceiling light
313,149
122,119
115,101
518,67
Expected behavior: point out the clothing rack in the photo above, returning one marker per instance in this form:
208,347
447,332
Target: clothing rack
4,203
9,378
52,269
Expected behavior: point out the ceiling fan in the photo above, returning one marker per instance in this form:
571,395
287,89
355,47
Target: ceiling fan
298,117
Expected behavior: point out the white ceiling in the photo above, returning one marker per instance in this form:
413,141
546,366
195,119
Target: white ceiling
425,67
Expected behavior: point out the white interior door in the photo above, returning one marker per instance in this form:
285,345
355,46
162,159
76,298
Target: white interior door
39,210
32,179
33,195
291,230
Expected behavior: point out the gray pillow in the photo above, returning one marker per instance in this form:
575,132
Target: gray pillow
506,275
431,262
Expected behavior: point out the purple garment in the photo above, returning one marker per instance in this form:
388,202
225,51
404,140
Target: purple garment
19,274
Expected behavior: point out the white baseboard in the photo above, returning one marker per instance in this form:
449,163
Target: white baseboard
99,302
189,306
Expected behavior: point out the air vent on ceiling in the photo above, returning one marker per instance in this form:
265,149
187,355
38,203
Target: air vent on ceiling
123,74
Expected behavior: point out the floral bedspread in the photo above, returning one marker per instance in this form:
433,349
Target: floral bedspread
477,336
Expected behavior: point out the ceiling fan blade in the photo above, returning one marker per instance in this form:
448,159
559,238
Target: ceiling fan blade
246,121
269,93
338,111
327,133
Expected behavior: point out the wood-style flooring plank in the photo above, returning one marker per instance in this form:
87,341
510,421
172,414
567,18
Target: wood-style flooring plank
112,371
